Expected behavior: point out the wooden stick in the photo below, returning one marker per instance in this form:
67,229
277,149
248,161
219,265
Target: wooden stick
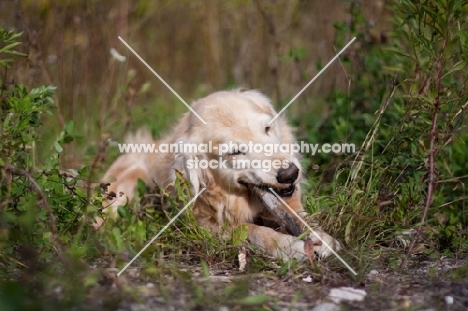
274,206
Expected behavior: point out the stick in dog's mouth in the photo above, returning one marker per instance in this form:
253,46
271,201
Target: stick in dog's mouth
274,206
286,192
282,192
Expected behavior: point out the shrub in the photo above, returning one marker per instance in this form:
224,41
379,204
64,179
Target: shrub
407,104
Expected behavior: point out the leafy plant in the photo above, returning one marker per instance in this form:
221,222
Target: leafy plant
7,46
41,210
406,103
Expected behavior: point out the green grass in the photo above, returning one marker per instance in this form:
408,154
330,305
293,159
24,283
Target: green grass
51,257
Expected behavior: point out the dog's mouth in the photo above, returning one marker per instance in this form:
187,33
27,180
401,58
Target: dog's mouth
287,192
282,192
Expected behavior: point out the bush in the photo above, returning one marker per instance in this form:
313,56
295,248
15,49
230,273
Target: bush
45,213
405,107
407,104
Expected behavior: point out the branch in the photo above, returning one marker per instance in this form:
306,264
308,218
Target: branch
97,159
50,214
432,182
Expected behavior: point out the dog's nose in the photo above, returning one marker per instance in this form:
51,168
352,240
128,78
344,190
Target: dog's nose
287,175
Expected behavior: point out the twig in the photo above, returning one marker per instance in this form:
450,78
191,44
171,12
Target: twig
432,182
454,179
2,85
451,202
430,188
97,159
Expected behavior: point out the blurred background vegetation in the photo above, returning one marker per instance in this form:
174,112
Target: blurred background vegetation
198,47
70,89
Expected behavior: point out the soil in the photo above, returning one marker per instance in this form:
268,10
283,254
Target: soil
426,285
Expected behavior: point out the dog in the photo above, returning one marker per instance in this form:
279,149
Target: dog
232,118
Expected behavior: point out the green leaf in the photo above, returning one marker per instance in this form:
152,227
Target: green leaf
254,300
123,212
57,147
348,230
91,279
240,234
205,270
84,171
117,234
9,47
141,187
144,88
457,67
399,52
69,126
47,235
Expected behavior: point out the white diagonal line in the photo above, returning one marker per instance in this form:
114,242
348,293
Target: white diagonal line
311,81
162,80
315,233
160,232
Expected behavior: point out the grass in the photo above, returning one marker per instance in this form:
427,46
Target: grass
373,202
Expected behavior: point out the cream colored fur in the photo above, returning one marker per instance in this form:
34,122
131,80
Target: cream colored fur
237,116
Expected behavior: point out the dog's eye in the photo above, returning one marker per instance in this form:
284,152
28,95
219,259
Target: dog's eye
236,152
267,129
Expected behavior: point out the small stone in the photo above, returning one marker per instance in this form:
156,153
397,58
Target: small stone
448,300
242,256
328,306
346,293
307,279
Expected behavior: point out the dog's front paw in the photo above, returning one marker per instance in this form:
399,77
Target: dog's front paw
321,244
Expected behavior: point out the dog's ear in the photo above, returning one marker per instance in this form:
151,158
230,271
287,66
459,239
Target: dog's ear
188,165
186,160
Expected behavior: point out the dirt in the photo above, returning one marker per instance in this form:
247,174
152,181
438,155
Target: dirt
426,285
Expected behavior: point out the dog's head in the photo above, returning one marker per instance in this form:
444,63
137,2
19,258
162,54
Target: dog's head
239,146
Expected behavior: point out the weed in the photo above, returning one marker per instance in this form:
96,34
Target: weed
403,192
407,173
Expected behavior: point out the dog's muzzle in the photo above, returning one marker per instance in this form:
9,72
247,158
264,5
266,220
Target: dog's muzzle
287,175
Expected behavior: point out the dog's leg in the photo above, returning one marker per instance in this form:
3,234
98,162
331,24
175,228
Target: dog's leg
123,176
286,247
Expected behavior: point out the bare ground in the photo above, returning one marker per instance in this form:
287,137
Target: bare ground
426,285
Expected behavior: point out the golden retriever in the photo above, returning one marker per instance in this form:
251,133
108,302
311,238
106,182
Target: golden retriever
233,118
